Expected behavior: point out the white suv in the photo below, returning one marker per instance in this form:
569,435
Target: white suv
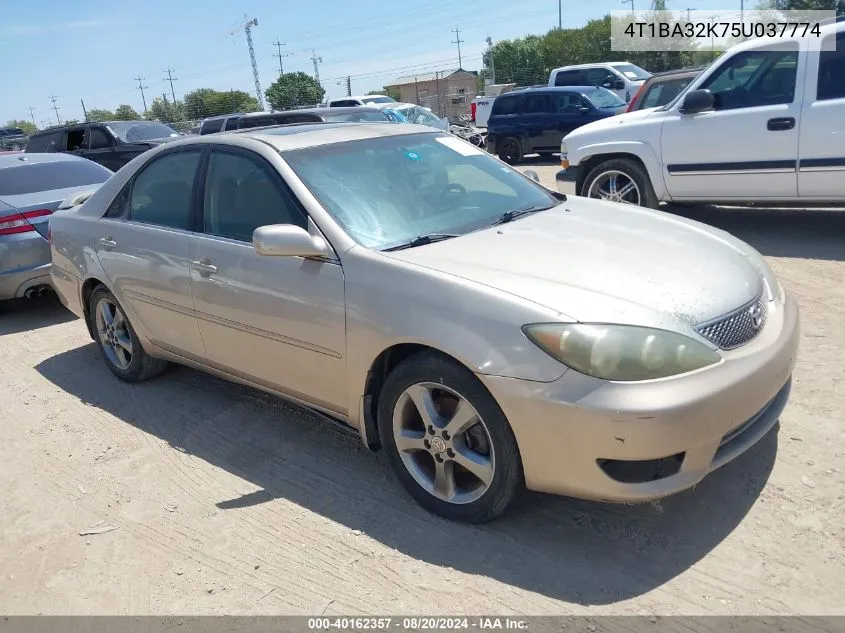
763,123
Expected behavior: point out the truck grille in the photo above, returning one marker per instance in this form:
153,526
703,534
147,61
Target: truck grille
738,327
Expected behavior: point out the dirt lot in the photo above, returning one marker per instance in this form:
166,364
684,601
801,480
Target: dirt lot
224,500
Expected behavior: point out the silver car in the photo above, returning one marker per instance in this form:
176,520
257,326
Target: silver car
32,186
488,333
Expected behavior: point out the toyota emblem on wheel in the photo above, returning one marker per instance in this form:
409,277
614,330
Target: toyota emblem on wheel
756,315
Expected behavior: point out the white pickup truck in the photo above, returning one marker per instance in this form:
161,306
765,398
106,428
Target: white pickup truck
764,123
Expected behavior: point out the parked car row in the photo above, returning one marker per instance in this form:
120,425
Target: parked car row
452,311
762,124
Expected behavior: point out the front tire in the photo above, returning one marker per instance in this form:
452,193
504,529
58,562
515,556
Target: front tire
447,439
117,340
620,180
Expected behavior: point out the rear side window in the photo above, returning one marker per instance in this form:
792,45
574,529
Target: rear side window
538,104
49,142
30,178
506,104
162,193
210,127
569,78
231,123
832,69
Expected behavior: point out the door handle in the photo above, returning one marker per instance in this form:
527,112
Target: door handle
107,242
204,266
781,123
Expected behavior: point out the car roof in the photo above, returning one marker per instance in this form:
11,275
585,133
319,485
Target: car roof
217,117
552,89
17,159
66,126
320,111
594,65
677,72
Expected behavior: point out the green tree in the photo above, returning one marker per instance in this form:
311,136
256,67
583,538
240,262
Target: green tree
126,113
70,121
806,5
28,127
165,111
519,61
294,89
205,102
98,114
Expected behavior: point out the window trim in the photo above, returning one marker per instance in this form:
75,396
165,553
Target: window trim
275,176
128,188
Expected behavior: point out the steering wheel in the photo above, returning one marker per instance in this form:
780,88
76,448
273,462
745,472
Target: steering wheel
454,192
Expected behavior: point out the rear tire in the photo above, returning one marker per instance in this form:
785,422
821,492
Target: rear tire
509,150
615,176
117,340
466,472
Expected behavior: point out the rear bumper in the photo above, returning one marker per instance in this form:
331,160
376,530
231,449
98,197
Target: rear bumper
14,284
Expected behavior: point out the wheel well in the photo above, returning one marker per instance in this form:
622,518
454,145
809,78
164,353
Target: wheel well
588,164
379,370
87,290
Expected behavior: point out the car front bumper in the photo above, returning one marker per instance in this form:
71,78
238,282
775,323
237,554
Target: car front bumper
566,177
584,437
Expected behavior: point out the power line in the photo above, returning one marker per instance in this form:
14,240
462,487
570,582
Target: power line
56,108
458,41
141,87
171,79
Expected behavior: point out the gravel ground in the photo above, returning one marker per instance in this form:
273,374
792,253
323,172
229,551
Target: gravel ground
207,497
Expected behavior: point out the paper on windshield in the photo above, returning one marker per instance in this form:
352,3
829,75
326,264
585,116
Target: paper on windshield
461,147
629,74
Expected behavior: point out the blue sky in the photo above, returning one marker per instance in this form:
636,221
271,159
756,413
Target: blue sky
92,49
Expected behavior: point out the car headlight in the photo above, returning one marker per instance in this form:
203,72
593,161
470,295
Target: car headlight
564,156
625,353
775,290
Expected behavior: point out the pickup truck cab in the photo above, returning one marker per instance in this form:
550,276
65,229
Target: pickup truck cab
763,123
623,78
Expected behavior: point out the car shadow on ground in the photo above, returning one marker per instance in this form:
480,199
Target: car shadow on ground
797,233
576,551
21,315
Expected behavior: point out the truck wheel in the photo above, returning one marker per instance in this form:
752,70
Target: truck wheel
620,180
510,150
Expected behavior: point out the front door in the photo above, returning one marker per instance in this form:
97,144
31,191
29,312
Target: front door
746,148
143,244
100,147
277,321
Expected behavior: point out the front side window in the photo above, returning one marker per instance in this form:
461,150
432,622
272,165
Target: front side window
162,193
831,84
599,77
754,78
99,138
386,191
662,93
569,103
241,194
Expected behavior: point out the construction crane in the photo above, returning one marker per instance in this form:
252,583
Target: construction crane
247,27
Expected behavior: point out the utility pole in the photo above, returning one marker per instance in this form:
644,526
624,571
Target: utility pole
32,115
84,111
171,79
631,2
491,60
688,10
559,14
458,41
141,87
348,86
166,107
247,27
56,108
316,60
278,46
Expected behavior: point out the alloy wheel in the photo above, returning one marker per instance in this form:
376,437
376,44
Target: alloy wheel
113,330
615,186
443,443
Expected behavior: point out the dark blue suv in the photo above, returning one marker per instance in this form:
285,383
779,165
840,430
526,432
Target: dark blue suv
535,120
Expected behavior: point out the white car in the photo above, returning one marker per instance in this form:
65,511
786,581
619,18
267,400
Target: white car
365,100
763,123
623,78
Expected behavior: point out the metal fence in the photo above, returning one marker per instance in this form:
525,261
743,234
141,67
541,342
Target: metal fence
452,106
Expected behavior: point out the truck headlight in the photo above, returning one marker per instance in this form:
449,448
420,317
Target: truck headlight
564,156
624,353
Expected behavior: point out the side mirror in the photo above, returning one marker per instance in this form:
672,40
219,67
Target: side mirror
697,101
532,175
287,240
583,109
618,85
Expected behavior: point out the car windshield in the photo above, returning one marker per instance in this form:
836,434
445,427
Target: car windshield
395,115
378,100
604,98
371,115
387,191
139,132
421,116
29,178
632,72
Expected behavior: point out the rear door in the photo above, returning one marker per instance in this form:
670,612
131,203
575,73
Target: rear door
821,171
540,122
143,245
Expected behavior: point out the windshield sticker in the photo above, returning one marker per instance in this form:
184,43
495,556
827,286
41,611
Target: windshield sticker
461,147
412,155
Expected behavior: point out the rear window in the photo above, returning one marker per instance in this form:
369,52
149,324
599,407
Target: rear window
210,127
569,78
374,116
48,142
506,104
23,179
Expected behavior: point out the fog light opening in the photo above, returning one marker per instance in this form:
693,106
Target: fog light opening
641,471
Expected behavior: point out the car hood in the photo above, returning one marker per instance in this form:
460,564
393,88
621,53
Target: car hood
612,123
595,261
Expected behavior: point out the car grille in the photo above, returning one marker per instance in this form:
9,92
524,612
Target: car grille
738,327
